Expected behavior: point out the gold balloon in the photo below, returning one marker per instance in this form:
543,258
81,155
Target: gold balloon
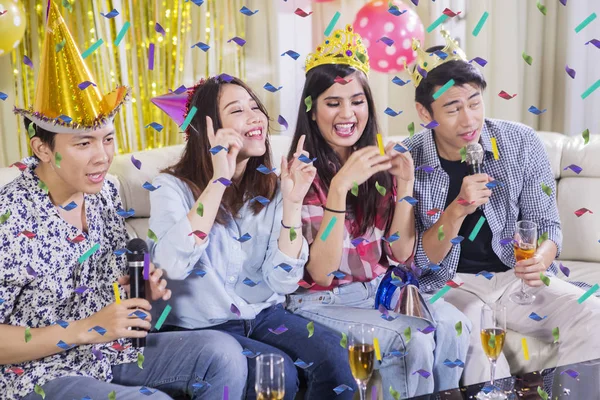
12,25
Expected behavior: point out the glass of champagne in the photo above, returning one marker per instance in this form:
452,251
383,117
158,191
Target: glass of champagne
493,334
270,377
362,355
524,245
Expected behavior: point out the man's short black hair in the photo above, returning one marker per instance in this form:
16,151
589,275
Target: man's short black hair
45,136
462,72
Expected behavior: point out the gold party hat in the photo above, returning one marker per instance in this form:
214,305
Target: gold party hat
64,102
428,61
344,46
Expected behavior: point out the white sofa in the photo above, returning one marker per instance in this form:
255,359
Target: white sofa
581,247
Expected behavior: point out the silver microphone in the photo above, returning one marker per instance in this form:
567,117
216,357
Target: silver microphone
475,158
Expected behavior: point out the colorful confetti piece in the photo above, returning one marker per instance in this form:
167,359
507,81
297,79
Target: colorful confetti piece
477,228
92,49
585,22
122,33
327,231
480,24
587,294
332,23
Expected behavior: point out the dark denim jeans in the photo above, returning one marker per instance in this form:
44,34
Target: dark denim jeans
330,367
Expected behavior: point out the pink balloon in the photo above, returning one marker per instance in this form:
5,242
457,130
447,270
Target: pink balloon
373,22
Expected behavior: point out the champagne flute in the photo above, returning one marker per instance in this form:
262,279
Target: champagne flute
270,377
362,355
493,335
525,245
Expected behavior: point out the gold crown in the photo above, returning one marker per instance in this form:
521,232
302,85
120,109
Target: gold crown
425,62
344,46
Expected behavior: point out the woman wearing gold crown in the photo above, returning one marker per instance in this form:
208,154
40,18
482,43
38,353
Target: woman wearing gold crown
360,187
63,333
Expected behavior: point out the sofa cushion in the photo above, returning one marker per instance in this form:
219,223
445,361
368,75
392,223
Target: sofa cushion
8,174
132,193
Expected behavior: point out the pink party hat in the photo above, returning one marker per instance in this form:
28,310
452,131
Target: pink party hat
173,104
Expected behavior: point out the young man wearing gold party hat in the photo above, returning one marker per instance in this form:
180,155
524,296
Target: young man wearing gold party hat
482,208
64,334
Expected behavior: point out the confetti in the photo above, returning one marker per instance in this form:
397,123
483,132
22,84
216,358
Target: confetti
457,240
163,317
480,24
38,389
458,327
439,294
264,170
112,395
542,238
279,330
454,364
582,211
188,118
546,189
202,46
293,234
152,235
451,13
407,334
392,113
301,13
69,206
291,53
392,238
505,95
341,388
482,62
440,234
4,217
425,168
27,61
64,346
81,290
382,190
92,49
250,354
332,23
151,56
301,364
308,103
394,393
226,78
541,7
16,370
306,160
122,33
98,329
27,334
585,23
591,89
148,186
571,72
62,324
411,129
262,200
422,72
440,20
595,42
285,267
328,229
394,10
544,279
433,211
563,2
147,392
377,349
528,59
281,121
271,88
344,341
586,136
536,317
215,150
139,314
386,40
423,373
238,40
565,270
374,393
535,110
433,124
575,168
400,149
354,189
542,392
556,334
140,360
587,294
60,45
476,229
410,200
249,282
116,293
31,271
27,234
507,241
244,238
111,14
337,274
487,275
427,330
22,167
571,372
43,186
223,181
443,89
233,308
399,81
341,81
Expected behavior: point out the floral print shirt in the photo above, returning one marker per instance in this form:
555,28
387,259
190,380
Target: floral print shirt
45,277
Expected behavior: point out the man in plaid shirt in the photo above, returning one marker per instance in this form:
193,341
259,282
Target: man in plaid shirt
462,219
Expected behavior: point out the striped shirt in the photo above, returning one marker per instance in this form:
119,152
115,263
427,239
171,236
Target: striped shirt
521,170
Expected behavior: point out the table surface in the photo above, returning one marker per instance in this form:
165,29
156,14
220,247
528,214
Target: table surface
569,382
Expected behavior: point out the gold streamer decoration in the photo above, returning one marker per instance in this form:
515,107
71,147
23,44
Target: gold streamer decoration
176,62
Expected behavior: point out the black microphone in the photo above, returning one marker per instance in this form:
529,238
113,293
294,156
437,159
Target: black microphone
137,286
475,158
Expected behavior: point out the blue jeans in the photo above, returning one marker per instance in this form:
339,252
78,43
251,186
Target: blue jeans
354,303
174,361
330,366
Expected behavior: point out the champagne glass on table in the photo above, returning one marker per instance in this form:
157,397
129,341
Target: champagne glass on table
524,245
270,377
493,335
362,355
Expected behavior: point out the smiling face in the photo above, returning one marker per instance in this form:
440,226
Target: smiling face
240,112
460,114
342,113
84,159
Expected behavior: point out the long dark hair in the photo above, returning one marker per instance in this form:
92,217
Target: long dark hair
195,166
368,203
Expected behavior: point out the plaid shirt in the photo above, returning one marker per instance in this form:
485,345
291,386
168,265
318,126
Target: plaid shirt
522,167
362,260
